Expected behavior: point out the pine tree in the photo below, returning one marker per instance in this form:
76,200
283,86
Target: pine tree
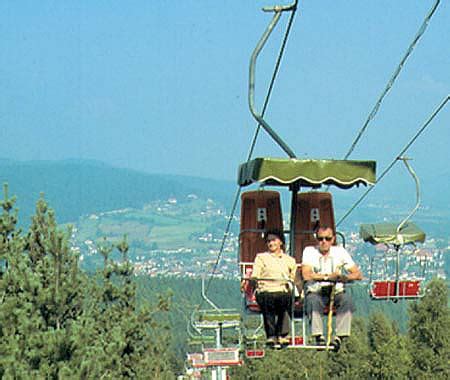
285,364
429,333
13,272
43,297
352,360
389,357
58,323
115,337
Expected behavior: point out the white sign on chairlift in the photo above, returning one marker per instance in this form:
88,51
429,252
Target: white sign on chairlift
315,216
261,215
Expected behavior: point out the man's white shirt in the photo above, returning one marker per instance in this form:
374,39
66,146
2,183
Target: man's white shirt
337,259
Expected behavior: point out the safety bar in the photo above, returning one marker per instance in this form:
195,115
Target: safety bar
341,235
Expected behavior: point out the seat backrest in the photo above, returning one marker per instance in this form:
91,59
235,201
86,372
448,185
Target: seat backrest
260,212
314,209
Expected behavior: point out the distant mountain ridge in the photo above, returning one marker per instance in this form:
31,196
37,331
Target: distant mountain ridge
79,187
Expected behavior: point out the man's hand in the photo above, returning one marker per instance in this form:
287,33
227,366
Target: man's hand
342,278
336,277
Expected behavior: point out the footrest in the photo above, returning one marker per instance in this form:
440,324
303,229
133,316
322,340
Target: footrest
217,318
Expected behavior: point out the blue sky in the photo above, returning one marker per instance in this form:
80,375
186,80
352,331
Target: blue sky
161,86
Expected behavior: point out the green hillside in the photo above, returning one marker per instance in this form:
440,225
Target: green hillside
80,187
188,229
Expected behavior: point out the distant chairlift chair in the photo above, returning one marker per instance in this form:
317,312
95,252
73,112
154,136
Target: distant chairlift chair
207,327
390,286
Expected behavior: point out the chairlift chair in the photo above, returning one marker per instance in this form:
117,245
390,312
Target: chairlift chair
393,286
308,211
211,324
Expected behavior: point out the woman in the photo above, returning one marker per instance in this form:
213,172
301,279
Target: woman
274,272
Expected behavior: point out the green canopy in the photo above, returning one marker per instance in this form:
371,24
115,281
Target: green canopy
387,233
310,173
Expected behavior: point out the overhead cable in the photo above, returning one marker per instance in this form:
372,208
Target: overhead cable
396,73
402,152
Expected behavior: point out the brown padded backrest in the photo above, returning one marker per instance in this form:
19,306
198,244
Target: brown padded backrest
265,203
314,209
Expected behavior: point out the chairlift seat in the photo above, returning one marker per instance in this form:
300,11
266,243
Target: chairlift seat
201,340
260,212
228,356
390,289
249,291
213,319
255,354
386,233
314,209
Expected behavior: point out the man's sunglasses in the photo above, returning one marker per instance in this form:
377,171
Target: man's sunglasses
322,238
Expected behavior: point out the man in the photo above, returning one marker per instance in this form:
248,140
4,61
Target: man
274,272
322,269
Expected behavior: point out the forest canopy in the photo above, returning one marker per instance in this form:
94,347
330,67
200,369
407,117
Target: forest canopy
58,322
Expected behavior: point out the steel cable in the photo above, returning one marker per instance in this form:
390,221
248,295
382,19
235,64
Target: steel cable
402,152
391,81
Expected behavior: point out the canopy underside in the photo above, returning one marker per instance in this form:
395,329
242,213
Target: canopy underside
386,233
308,173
